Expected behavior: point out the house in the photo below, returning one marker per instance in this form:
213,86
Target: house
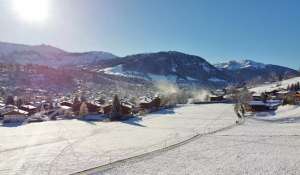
260,106
297,97
216,98
282,94
150,103
66,103
64,110
107,109
15,115
257,97
93,108
126,109
29,108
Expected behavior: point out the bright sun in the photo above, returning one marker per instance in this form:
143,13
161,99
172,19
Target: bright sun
32,10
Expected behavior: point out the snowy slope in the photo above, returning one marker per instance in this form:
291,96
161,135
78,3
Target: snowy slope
47,55
169,66
63,147
242,64
277,85
258,147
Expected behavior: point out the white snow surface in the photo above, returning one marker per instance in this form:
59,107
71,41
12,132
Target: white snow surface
266,145
273,86
119,71
242,64
67,146
216,80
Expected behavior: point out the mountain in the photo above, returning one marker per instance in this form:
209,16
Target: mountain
182,68
254,72
47,55
237,65
172,66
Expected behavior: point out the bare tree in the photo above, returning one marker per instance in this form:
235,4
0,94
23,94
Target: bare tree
83,109
242,98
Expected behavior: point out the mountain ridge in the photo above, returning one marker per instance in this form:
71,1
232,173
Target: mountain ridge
173,66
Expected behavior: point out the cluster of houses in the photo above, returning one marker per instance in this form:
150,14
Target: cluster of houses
264,101
78,108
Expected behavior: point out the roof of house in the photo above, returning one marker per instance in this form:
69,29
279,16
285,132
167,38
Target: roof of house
268,103
65,107
28,107
16,111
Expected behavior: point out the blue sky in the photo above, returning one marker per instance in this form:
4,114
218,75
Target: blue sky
217,30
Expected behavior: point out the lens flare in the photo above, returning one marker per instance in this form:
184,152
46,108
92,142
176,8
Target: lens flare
32,10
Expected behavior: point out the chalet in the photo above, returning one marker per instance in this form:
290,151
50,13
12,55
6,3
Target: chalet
15,115
29,108
297,97
62,110
107,109
93,108
282,94
150,103
260,106
216,98
126,109
257,97
66,103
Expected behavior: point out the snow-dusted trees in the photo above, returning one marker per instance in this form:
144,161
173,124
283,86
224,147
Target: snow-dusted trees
83,109
116,109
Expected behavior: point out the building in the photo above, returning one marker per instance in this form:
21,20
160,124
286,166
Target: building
29,108
93,108
260,106
15,115
216,98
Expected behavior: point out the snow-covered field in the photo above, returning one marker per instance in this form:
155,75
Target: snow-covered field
64,147
276,85
263,145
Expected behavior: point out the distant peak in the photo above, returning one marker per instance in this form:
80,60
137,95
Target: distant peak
240,64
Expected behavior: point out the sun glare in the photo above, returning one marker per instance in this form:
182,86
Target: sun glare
32,10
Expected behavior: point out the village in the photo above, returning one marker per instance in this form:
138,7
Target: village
40,105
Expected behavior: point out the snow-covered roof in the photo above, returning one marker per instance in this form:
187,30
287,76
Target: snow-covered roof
268,103
14,111
65,107
28,107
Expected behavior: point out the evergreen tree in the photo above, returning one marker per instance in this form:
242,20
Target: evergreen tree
116,109
10,100
20,102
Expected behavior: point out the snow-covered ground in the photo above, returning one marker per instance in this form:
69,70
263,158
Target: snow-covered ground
64,147
263,145
276,85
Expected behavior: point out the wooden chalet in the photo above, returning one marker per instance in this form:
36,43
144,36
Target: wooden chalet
15,115
106,109
93,108
126,109
66,103
260,106
150,103
29,108
216,98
